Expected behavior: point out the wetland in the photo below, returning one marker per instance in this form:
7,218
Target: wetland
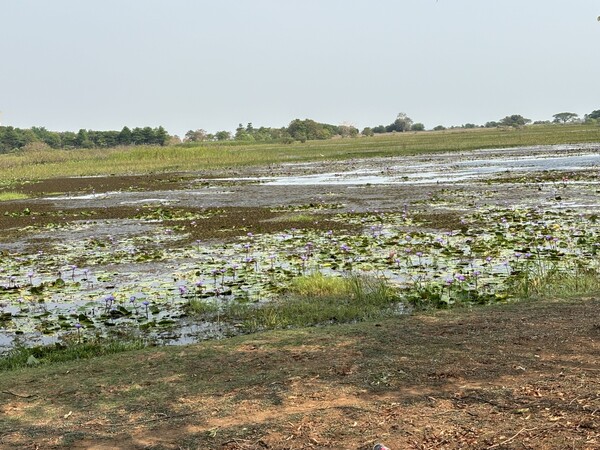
181,257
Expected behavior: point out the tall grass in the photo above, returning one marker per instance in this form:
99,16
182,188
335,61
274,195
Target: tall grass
318,299
47,163
546,279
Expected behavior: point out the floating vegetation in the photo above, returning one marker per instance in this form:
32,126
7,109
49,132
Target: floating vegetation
152,286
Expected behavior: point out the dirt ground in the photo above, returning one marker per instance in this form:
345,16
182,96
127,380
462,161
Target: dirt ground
520,376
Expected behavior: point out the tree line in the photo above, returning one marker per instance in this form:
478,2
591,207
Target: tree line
297,130
12,138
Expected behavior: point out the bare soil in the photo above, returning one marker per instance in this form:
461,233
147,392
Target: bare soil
517,376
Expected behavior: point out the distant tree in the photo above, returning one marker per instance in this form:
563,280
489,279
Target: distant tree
50,138
104,138
148,136
241,134
439,128
515,120
367,131
223,135
379,129
492,124
198,135
137,136
565,117
594,115
347,130
11,139
161,137
83,139
469,125
174,140
125,136
401,124
417,127
308,129
68,139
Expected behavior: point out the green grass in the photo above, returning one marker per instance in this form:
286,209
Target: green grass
40,164
7,196
318,299
543,280
33,356
201,307
319,285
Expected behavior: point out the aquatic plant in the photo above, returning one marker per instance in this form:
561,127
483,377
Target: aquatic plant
499,254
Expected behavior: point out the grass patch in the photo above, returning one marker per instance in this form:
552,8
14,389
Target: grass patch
34,356
319,285
7,196
318,299
294,218
544,280
202,307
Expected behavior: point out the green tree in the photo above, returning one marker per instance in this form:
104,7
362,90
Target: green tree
565,117
241,134
401,124
50,138
594,115
367,131
83,139
223,135
125,137
515,120
11,139
148,136
110,138
161,137
417,127
68,139
308,129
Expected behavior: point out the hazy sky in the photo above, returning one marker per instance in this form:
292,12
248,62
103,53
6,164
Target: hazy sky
188,64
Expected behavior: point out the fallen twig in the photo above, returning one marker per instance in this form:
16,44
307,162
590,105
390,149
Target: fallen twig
512,437
158,419
19,395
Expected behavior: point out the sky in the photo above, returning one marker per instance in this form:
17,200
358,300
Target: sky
191,64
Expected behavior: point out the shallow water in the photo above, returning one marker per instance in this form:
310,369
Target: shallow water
445,172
